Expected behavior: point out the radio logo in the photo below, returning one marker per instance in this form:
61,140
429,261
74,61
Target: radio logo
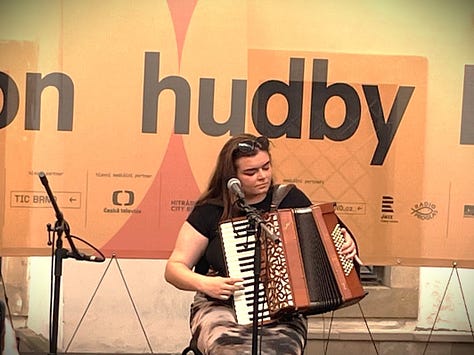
424,210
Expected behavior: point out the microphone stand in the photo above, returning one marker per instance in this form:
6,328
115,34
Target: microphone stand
256,223
60,226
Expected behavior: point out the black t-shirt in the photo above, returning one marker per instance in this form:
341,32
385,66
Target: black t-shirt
205,219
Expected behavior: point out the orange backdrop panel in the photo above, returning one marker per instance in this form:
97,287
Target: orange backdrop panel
202,69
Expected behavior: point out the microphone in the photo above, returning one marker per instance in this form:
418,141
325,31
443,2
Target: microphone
43,178
44,181
235,187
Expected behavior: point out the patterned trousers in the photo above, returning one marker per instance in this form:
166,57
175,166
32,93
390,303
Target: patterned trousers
213,325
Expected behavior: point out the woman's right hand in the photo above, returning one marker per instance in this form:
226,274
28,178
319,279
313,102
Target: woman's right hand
221,287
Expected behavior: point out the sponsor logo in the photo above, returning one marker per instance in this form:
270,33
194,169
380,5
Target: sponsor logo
35,199
387,210
424,210
122,199
181,205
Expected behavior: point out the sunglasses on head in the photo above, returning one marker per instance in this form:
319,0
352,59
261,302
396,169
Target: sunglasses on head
250,145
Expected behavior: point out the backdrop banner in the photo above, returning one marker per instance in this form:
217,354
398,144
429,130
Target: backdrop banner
125,108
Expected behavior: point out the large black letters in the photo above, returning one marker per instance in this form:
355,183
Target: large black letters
293,93
11,100
319,97
34,88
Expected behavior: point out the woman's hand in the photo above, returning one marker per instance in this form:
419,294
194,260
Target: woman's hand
221,287
349,248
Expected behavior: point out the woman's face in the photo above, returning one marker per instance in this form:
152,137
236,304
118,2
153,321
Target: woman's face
255,174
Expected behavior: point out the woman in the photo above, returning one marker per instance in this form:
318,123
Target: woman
197,261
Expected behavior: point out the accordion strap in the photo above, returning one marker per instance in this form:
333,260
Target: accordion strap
279,193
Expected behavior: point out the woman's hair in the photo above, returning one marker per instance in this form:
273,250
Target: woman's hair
217,191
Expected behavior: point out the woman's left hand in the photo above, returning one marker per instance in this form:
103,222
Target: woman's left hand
348,249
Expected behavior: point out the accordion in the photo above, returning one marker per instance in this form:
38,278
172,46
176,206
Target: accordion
304,272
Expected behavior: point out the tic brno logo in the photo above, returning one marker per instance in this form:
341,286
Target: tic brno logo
424,210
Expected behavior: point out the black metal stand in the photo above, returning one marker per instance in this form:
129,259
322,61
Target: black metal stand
256,223
256,279
59,254
60,227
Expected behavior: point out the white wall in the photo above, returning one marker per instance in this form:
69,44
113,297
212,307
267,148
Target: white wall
39,269
434,282
111,324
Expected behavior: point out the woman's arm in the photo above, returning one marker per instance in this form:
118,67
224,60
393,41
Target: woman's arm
190,246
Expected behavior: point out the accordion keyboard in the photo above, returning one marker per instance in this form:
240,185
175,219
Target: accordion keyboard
339,240
239,252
